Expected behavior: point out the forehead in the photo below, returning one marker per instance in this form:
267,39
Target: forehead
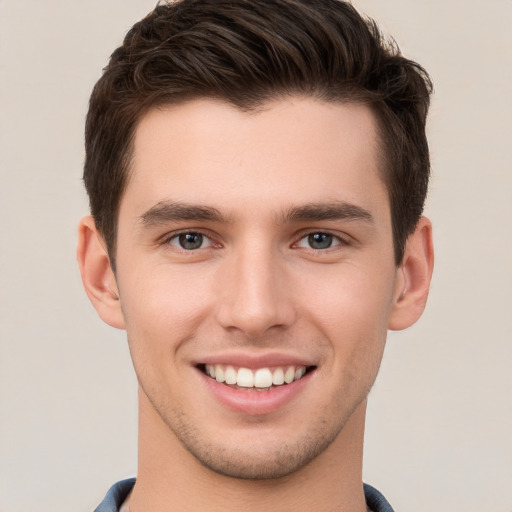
291,151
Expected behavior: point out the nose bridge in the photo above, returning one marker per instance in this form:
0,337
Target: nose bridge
256,297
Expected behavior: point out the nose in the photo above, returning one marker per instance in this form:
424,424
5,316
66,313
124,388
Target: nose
255,293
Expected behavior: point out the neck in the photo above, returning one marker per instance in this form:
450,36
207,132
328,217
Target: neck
170,479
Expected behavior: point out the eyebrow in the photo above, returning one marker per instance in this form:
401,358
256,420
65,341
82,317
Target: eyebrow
338,210
166,211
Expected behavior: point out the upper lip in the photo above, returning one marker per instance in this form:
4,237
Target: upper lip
254,361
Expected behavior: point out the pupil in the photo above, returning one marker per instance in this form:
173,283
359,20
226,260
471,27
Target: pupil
320,240
191,240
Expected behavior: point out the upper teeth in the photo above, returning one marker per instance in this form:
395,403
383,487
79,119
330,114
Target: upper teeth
260,378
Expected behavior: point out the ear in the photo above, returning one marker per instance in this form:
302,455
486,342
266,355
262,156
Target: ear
413,277
97,276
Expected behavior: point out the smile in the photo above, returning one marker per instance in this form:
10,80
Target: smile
261,379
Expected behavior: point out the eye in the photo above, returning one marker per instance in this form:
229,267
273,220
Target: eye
319,241
190,241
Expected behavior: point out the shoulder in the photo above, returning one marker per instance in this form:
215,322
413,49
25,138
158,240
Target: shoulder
375,500
115,496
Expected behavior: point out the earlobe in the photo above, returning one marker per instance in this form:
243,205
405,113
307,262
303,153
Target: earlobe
413,277
97,276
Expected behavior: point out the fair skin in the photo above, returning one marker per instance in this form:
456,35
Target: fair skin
259,241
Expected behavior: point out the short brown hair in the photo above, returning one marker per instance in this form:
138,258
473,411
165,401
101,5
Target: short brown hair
248,52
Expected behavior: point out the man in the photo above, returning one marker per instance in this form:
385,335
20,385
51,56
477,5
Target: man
257,173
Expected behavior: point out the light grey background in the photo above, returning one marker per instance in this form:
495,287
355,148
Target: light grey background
440,417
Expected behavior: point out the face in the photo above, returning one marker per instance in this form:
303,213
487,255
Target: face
256,277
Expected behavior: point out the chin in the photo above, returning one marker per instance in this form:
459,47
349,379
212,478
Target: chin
259,455
271,464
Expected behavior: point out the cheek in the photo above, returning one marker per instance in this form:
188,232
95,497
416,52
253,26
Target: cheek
164,309
163,295
352,313
349,296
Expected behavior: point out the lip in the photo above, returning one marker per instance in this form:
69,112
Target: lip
250,401
255,361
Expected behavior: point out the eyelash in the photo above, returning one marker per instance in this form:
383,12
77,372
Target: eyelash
175,235
338,240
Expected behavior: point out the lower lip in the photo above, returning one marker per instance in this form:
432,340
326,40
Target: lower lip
254,402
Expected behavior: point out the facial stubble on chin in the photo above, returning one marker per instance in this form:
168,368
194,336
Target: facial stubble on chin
235,462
